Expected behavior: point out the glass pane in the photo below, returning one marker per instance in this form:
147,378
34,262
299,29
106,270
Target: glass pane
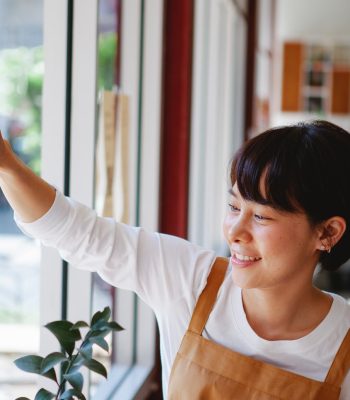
104,294
21,71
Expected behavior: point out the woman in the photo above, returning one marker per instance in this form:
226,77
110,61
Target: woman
253,327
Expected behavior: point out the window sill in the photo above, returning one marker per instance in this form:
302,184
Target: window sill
123,382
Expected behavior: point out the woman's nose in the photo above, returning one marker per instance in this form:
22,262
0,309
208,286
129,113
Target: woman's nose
238,231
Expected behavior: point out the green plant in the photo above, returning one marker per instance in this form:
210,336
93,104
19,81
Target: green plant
107,50
69,361
22,71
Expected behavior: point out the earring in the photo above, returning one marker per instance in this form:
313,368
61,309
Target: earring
326,247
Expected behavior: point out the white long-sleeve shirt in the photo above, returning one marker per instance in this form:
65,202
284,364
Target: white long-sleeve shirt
169,273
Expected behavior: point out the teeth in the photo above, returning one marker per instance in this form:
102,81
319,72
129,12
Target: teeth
245,258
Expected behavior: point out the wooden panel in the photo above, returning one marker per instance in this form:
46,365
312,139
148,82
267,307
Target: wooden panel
291,81
250,67
177,81
341,91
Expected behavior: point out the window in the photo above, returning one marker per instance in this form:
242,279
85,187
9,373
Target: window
22,70
136,77
95,42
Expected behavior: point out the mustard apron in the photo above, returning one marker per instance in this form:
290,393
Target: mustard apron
205,370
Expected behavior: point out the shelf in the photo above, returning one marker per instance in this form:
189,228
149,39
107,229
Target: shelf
316,91
316,78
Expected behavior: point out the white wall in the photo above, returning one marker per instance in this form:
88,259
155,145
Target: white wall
328,19
265,43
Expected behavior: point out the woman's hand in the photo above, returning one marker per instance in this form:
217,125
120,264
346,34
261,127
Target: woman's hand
6,153
28,194
2,144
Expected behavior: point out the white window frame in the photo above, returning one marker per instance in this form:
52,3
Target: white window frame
83,114
52,153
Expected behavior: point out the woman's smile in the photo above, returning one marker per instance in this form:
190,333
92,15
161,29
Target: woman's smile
243,260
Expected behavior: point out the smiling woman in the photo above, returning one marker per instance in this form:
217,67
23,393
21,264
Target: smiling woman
268,172
250,327
286,215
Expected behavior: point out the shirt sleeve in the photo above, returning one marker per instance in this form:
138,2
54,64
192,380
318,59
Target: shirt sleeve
159,268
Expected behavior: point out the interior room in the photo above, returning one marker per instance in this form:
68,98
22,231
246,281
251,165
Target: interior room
135,108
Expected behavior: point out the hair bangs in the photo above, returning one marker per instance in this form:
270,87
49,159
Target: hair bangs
265,173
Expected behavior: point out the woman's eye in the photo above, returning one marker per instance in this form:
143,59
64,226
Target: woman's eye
259,217
233,208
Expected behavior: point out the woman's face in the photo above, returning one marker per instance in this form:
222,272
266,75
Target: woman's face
269,248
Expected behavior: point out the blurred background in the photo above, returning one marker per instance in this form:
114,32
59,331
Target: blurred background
201,77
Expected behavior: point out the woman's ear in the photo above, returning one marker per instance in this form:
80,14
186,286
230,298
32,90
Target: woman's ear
331,231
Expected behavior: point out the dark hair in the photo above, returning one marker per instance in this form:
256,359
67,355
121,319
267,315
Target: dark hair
305,168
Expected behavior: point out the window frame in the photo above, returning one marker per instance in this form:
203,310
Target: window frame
141,68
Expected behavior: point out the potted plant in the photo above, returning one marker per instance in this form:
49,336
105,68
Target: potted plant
63,367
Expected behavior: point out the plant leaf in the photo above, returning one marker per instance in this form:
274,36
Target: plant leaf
68,394
96,366
76,364
33,364
102,329
76,380
99,325
51,360
99,341
51,374
64,366
105,325
29,364
74,367
115,326
98,333
66,337
86,350
80,324
101,315
44,394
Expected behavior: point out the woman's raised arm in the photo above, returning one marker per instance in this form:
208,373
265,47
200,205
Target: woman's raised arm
29,195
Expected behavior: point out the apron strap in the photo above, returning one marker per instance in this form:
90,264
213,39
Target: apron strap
341,363
208,296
